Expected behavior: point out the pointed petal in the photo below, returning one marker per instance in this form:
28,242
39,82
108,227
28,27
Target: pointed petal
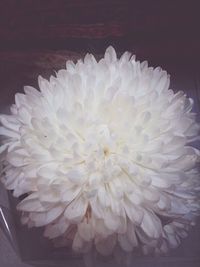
44,218
76,210
85,230
125,242
106,246
151,225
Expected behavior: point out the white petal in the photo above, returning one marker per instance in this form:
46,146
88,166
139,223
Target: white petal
24,115
9,133
44,218
57,229
78,243
29,90
18,158
131,234
111,220
20,99
49,196
151,225
100,228
105,246
70,193
103,197
10,122
86,230
76,209
97,209
75,176
110,54
30,205
125,242
134,213
151,195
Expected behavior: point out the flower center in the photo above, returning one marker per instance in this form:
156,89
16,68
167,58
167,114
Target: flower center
106,151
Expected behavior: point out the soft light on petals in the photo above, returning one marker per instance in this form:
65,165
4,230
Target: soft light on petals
103,153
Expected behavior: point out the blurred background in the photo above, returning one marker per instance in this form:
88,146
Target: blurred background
38,36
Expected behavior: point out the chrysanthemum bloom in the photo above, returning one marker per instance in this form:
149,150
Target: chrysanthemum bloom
103,152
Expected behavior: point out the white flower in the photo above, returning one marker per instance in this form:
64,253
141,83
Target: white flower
102,150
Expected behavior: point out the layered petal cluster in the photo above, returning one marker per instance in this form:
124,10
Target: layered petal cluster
102,152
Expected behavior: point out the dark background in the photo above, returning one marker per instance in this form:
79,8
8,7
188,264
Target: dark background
153,29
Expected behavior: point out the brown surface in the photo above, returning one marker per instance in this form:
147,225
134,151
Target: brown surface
153,29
